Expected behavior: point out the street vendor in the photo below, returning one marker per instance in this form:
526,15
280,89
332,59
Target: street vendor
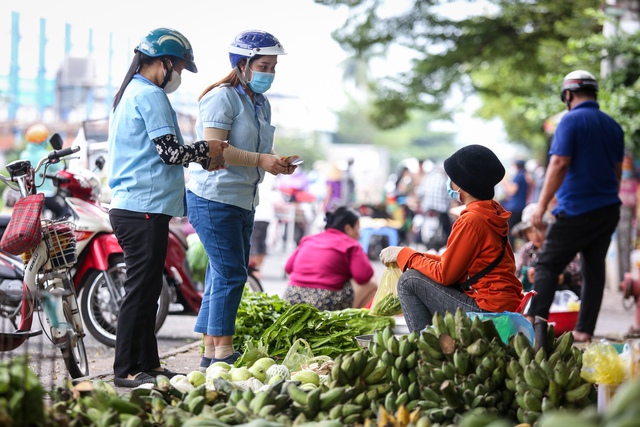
477,271
570,278
330,270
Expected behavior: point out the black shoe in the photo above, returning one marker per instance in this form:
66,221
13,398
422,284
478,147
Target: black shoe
230,359
165,372
138,380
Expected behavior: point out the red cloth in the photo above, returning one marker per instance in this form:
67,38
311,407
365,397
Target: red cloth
24,231
327,260
475,241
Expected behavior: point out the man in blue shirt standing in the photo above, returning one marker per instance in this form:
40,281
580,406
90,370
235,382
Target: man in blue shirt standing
517,190
584,173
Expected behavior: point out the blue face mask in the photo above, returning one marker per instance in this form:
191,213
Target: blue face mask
261,82
455,195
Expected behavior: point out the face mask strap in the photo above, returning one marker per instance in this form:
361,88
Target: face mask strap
167,74
568,100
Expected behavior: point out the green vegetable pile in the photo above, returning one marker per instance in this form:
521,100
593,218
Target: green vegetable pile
257,311
329,333
267,325
21,394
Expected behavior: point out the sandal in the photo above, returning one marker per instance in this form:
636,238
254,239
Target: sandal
632,333
138,380
581,336
164,371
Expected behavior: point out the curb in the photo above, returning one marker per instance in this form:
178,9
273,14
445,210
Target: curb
184,349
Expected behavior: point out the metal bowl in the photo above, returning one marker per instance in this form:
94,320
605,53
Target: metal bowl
364,340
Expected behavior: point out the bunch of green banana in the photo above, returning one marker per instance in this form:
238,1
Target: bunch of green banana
359,368
247,405
547,379
622,411
462,366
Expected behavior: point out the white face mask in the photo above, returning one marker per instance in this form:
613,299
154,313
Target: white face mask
174,83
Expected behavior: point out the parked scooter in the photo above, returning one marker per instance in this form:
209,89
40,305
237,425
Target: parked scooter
101,268
46,272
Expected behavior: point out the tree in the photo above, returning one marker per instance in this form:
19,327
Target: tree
513,56
414,138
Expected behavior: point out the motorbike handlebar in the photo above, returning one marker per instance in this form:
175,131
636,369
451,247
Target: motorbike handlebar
56,155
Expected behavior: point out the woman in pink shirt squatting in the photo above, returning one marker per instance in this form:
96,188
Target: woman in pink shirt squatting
330,270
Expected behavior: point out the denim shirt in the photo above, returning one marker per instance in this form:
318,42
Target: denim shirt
140,181
250,129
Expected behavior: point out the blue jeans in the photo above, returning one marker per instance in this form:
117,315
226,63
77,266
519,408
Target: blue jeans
225,232
420,297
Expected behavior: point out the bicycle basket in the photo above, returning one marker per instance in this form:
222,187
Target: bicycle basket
61,242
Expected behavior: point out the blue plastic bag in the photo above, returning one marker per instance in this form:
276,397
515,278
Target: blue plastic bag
508,323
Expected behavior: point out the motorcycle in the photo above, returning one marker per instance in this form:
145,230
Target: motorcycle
429,230
46,275
100,272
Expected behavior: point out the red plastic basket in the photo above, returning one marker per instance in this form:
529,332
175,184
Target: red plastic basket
563,321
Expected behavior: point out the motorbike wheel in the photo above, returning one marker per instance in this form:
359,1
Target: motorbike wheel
100,312
254,283
73,352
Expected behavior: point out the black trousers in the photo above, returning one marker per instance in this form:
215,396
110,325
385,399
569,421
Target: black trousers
590,235
144,239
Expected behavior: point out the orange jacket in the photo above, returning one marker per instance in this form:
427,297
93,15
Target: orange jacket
475,242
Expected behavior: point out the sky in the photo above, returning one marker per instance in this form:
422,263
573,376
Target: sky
310,73
310,70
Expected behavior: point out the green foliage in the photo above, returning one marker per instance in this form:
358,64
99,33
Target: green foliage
513,56
310,149
413,138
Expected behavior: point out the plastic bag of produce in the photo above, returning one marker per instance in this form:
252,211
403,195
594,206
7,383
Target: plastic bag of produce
298,355
508,323
602,364
386,302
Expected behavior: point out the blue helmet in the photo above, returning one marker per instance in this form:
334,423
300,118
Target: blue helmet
168,42
253,42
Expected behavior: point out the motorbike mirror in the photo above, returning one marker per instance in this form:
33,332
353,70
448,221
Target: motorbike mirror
100,162
56,141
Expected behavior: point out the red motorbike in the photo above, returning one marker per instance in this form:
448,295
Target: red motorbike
100,271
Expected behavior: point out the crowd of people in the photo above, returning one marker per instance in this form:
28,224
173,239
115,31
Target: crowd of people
559,220
488,235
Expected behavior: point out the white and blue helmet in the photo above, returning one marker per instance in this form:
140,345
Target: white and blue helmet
251,43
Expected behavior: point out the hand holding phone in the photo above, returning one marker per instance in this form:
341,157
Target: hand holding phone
293,160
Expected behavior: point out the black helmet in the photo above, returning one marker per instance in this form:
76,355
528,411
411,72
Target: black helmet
577,80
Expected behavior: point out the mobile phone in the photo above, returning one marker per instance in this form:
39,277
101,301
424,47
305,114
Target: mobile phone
297,162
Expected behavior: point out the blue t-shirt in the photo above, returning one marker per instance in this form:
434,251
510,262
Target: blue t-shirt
140,181
518,201
250,129
595,143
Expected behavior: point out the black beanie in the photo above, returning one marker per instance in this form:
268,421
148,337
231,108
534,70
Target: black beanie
476,169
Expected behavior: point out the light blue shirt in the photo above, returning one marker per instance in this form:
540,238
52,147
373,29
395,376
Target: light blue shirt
139,180
250,129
